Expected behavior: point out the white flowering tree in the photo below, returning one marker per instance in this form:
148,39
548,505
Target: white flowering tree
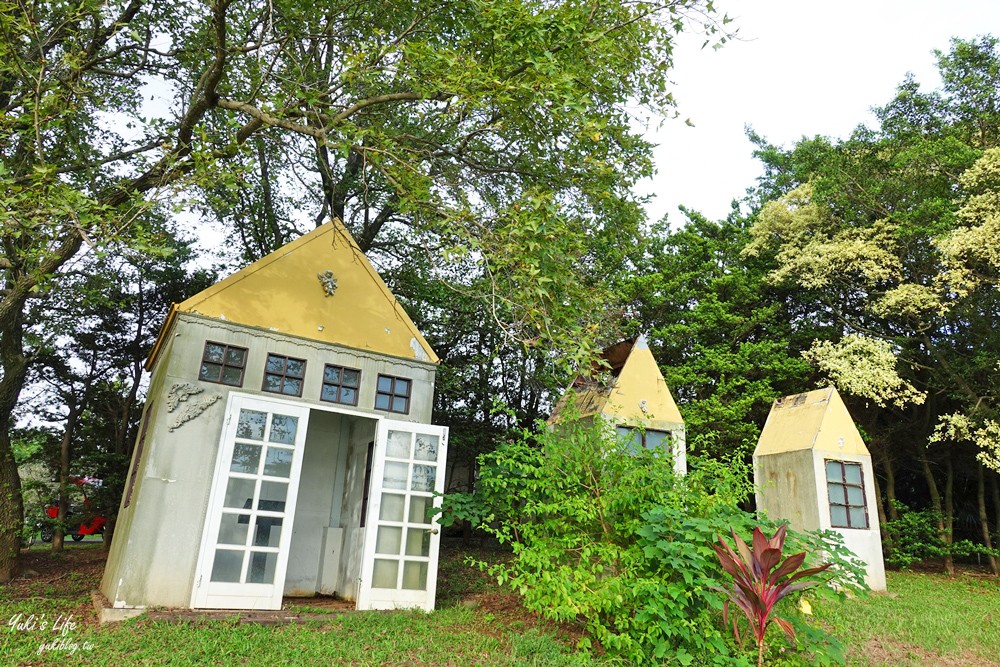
893,238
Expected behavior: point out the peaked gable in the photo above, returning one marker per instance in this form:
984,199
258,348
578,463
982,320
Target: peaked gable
816,420
639,392
285,292
636,391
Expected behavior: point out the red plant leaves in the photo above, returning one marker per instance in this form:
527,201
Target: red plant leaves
760,580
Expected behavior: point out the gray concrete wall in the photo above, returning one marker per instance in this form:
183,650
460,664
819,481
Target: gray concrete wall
322,468
866,544
158,538
349,572
786,488
156,545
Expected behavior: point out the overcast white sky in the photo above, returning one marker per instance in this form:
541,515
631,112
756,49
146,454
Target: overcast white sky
799,68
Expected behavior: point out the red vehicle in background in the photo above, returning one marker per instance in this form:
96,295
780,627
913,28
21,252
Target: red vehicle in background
93,524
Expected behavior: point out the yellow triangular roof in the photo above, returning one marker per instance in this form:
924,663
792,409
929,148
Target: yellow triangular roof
636,391
816,420
282,292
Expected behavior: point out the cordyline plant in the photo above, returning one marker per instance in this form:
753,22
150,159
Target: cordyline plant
761,579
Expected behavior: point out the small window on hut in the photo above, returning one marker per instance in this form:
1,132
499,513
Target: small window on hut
340,385
636,439
393,394
223,363
284,375
846,488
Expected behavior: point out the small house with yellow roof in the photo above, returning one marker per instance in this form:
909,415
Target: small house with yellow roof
629,394
812,468
286,446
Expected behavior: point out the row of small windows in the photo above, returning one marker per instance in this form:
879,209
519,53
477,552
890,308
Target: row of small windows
226,364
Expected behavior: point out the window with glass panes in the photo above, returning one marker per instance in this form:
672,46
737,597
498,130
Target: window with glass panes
340,384
223,363
393,394
284,375
846,489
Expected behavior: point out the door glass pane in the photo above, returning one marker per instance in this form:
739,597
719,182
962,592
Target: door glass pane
268,531
278,462
418,509
384,573
415,576
427,448
395,475
418,542
246,458
388,540
251,425
272,496
855,496
858,518
833,471
398,445
262,565
283,429
233,529
423,478
239,493
392,507
227,566
852,473
838,516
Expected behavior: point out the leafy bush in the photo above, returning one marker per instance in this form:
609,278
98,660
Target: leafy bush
913,538
616,542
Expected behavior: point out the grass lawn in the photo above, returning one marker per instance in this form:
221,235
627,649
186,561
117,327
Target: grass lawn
474,625
926,620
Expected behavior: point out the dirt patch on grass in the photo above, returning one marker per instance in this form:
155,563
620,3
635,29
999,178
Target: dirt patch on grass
888,652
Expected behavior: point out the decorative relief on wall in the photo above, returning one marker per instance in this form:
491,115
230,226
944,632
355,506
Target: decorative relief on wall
182,392
328,281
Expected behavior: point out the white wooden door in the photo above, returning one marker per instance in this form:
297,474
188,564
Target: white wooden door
248,529
399,568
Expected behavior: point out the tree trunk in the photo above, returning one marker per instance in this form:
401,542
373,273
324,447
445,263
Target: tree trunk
935,494
949,511
14,365
65,455
984,521
11,506
995,484
890,487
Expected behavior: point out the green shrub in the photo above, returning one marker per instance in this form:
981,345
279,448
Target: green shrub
616,542
913,538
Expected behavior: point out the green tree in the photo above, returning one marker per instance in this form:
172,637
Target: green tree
496,131
722,334
890,233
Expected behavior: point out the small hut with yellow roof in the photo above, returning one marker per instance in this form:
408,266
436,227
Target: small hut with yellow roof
812,468
286,445
630,395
